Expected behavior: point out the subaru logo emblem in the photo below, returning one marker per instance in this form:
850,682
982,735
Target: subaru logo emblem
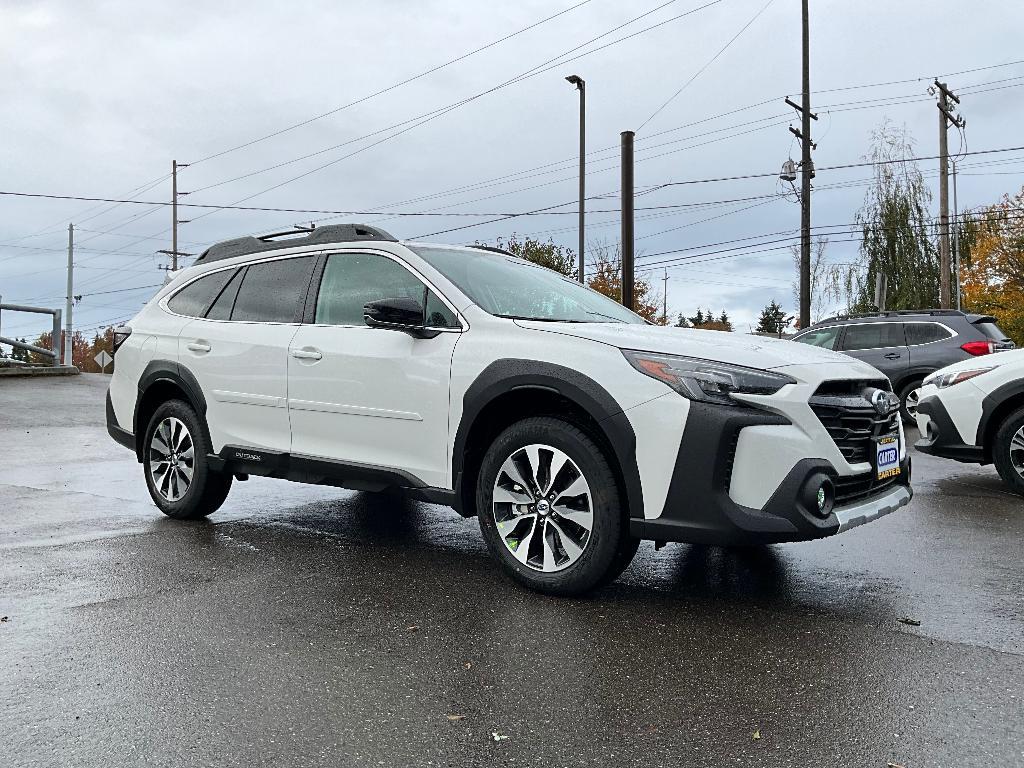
883,401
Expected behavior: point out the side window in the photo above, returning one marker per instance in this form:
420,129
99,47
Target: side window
195,298
925,333
873,336
823,337
221,309
271,291
352,280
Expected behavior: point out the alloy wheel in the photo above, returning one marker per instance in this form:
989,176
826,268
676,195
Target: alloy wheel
172,459
1017,451
543,508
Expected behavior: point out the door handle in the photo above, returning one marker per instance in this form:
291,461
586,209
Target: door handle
307,353
198,346
893,356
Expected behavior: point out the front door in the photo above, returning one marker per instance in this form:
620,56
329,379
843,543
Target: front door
882,345
372,396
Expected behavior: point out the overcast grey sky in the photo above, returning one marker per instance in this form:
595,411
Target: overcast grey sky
98,97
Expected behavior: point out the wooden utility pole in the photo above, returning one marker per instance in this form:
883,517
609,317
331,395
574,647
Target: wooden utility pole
174,253
664,296
627,219
945,118
806,174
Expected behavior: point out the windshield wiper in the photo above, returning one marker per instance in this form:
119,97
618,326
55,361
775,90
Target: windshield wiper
599,314
542,319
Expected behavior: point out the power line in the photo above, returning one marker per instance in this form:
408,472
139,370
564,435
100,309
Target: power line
399,84
707,64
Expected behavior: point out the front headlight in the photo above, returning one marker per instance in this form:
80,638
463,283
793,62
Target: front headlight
706,380
943,380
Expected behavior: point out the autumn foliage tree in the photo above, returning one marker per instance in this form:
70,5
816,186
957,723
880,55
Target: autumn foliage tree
992,270
548,254
83,350
606,277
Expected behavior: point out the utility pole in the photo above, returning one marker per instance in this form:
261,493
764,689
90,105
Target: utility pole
945,118
174,253
956,239
627,219
69,302
581,85
664,296
806,171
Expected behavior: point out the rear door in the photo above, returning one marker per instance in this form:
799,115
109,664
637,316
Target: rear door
239,353
372,396
883,345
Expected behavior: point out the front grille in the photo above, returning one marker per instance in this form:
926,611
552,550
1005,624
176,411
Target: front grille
850,420
854,488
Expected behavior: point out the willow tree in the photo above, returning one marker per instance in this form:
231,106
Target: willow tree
896,230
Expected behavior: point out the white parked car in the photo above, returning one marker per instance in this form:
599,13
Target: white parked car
475,379
973,411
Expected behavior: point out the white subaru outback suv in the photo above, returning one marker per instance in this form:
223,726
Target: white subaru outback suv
472,378
973,411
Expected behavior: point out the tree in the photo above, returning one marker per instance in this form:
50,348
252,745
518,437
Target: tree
20,354
682,322
550,255
773,319
706,321
896,230
992,264
826,279
606,278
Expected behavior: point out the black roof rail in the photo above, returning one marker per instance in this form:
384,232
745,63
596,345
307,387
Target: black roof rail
895,313
334,233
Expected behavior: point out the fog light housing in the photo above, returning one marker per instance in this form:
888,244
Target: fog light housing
819,495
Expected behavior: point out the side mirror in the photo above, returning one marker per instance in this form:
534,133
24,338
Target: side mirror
399,314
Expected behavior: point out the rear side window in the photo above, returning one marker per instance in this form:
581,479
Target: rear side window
195,298
823,337
925,333
271,291
352,280
221,309
873,336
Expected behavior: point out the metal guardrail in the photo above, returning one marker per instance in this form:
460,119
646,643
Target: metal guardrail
53,354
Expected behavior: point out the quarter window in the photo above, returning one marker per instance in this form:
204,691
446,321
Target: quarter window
925,333
873,336
352,280
271,291
194,299
221,309
823,337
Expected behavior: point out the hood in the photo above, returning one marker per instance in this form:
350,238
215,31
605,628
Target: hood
737,348
993,360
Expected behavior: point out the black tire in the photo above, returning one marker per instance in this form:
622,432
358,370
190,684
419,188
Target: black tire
206,489
608,549
904,394
1001,451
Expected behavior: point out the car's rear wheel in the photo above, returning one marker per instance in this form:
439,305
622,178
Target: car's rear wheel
1008,451
549,508
909,400
178,475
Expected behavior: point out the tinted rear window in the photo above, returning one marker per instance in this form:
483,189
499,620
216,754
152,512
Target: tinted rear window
194,299
991,330
271,291
873,336
925,333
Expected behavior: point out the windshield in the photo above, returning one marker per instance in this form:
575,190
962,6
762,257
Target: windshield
508,286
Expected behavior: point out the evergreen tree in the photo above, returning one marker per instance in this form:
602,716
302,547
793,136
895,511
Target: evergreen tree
772,319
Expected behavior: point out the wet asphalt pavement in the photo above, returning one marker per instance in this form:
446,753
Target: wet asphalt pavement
306,626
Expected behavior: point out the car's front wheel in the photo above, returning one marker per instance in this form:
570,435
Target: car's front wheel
909,400
180,480
550,510
1008,451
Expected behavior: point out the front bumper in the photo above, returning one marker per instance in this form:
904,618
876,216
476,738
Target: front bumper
699,508
939,435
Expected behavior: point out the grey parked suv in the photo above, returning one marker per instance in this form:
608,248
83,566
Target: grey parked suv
907,346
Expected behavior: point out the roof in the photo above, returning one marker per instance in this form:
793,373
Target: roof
334,233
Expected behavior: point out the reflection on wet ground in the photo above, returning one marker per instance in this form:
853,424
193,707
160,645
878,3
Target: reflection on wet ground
313,626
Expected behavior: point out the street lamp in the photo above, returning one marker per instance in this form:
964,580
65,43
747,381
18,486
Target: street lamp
581,86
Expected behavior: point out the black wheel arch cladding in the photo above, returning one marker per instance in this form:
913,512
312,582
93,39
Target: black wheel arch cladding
158,371
509,374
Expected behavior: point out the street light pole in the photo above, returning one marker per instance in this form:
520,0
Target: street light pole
581,86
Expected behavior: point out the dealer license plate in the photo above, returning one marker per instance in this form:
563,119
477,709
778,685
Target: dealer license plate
887,456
